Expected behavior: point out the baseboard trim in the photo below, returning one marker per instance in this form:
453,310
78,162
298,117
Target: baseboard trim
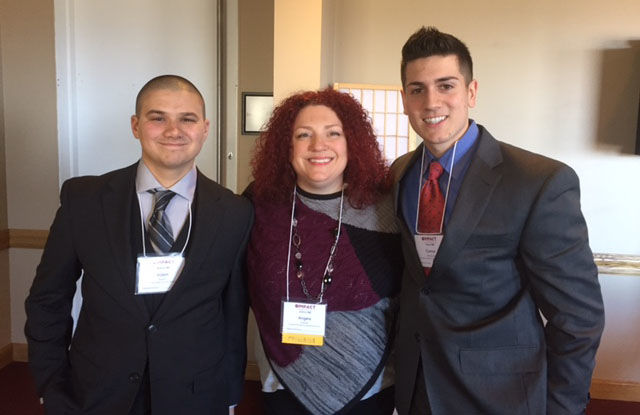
20,352
252,372
6,355
615,390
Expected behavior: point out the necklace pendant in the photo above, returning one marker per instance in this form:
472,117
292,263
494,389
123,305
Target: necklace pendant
300,274
327,279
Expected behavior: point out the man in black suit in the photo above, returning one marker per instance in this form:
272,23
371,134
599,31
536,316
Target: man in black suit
162,326
501,310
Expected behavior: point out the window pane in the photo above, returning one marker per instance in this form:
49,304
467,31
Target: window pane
403,125
356,94
392,101
403,145
367,100
378,124
381,143
378,100
390,127
390,148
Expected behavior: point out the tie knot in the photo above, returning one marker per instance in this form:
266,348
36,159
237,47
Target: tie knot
435,170
161,198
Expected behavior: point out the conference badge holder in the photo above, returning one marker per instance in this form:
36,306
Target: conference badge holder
303,322
427,246
156,274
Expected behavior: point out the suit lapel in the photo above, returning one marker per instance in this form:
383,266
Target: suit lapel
399,169
479,182
117,204
208,213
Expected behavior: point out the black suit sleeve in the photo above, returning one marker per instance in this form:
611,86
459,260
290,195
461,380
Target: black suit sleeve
236,308
564,280
48,308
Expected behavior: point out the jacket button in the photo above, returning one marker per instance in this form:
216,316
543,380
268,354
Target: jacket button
416,335
134,377
152,328
426,290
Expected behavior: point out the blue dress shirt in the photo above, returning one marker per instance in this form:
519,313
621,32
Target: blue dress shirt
411,183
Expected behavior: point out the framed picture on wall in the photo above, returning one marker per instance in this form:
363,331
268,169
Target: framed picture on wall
256,110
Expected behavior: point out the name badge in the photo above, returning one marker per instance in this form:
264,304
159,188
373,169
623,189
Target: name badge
157,274
427,247
303,323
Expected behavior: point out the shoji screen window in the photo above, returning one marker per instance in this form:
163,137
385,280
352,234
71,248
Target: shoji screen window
391,125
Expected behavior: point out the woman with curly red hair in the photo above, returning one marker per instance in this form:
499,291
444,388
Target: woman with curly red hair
324,259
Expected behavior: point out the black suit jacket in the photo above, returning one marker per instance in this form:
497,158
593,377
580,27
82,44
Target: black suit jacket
516,245
194,343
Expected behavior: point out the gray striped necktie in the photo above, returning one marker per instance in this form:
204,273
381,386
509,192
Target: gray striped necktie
159,228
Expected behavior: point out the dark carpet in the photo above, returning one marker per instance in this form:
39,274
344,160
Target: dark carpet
18,397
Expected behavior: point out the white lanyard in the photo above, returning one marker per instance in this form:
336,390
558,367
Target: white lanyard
142,221
446,196
333,247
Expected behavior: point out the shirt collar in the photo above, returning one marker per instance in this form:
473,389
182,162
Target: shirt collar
185,187
464,144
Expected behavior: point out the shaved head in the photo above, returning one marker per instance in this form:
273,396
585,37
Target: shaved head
170,82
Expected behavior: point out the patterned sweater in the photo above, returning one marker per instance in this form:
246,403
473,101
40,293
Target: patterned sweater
360,300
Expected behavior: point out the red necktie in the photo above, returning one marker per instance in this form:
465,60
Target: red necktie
431,204
431,201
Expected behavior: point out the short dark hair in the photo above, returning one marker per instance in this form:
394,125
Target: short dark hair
172,82
429,41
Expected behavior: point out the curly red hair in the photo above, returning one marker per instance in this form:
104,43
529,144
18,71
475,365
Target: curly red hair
366,173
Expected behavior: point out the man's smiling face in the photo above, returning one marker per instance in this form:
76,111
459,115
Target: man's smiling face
437,99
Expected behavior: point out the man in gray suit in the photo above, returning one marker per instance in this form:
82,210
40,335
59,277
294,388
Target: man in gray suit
501,310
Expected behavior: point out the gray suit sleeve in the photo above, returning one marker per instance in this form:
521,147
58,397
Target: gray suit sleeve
564,280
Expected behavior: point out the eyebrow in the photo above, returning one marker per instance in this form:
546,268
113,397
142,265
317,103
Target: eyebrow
447,78
326,127
443,79
182,114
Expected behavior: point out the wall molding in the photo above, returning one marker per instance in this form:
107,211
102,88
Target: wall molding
28,238
6,355
612,264
618,264
615,390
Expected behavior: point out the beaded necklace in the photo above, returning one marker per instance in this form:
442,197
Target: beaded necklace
295,241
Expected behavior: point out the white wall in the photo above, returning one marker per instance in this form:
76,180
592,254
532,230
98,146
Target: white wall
106,51
28,81
112,49
558,78
619,355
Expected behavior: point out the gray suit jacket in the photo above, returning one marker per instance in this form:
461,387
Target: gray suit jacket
516,244
194,343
